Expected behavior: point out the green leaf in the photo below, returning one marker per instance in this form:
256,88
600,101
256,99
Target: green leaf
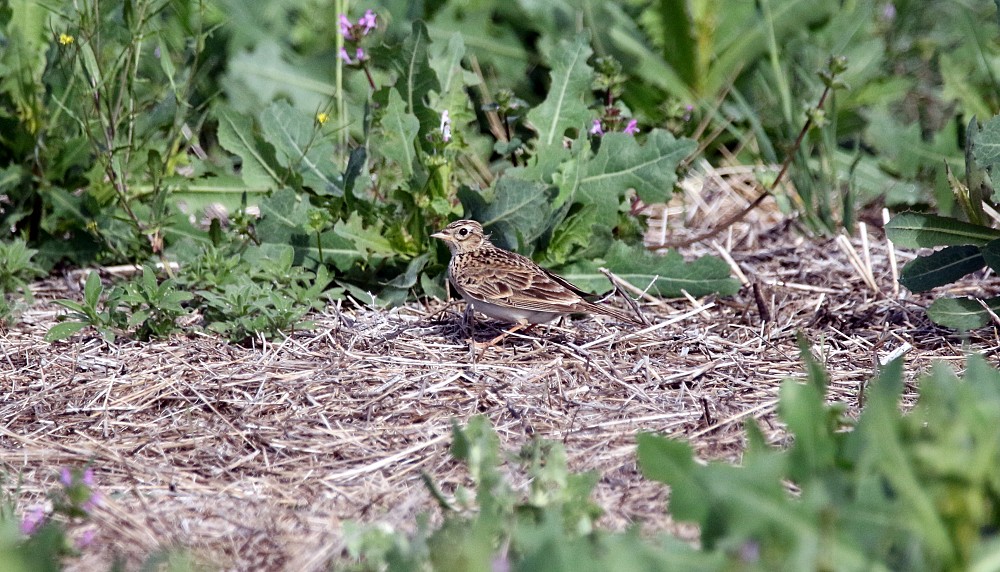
92,289
415,78
236,135
987,146
516,215
399,130
566,105
446,59
666,275
672,462
269,71
962,314
991,254
941,267
918,230
650,169
369,241
339,250
283,215
300,147
575,233
64,330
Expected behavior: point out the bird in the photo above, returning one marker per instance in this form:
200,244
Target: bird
507,286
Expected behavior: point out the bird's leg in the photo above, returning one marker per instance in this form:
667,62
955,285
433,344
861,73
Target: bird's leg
520,325
469,322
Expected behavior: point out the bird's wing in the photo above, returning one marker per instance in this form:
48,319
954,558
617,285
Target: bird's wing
511,280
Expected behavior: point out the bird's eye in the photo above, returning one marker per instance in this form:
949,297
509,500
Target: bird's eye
463,232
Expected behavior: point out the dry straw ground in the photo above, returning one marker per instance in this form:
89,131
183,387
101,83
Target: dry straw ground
254,457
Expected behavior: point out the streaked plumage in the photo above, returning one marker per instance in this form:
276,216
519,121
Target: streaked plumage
508,286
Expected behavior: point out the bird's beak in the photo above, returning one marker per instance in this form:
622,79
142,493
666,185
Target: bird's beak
441,235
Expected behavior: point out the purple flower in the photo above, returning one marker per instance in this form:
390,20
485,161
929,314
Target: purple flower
346,27
344,56
65,477
445,126
88,477
360,54
91,503
86,539
596,128
367,22
632,128
889,11
32,520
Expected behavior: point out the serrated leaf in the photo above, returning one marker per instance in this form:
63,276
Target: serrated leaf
399,130
300,147
666,275
369,241
415,78
576,232
446,59
259,169
516,215
283,215
962,314
918,230
622,163
942,267
566,105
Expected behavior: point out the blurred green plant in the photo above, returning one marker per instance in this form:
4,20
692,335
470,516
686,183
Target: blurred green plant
17,269
549,526
92,311
969,245
888,491
96,110
895,492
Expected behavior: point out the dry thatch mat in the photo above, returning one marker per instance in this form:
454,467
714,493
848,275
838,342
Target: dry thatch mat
253,458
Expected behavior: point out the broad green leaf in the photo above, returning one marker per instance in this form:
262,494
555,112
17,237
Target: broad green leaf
283,215
672,462
516,215
335,248
622,163
236,135
576,232
446,59
962,314
399,130
918,230
942,267
370,241
408,279
269,71
566,105
414,77
64,330
667,275
300,147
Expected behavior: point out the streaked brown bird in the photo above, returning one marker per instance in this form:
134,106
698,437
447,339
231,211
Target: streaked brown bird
508,286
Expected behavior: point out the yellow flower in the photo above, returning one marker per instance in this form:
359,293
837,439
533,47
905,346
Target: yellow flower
322,118
65,39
